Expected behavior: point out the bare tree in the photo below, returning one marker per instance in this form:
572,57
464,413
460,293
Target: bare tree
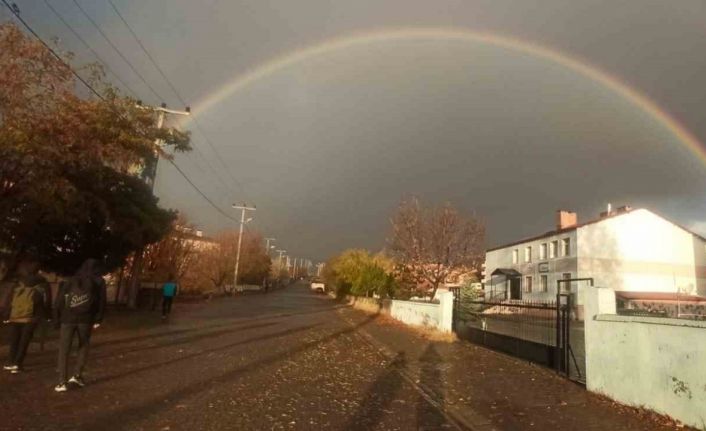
432,243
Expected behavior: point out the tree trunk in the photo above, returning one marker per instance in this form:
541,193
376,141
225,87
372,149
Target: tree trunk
119,284
134,286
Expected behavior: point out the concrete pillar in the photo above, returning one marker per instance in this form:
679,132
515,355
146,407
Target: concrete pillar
446,311
598,300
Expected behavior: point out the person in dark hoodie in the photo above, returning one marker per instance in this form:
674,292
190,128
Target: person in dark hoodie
27,302
80,305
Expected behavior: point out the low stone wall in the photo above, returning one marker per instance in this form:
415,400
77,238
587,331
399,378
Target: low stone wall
426,314
416,313
651,362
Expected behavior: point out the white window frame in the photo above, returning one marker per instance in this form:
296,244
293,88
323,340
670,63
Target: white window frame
515,256
543,251
527,285
553,249
528,254
543,283
566,247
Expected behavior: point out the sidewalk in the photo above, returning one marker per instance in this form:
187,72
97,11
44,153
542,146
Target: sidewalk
481,389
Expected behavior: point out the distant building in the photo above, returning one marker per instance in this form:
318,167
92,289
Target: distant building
625,249
195,238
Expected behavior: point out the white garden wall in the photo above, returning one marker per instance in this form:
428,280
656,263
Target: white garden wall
427,314
657,363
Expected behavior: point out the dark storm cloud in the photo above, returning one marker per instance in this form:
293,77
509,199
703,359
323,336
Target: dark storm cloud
327,147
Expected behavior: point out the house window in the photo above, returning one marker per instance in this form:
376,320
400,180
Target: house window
515,256
566,286
528,284
565,247
543,283
543,251
528,254
553,247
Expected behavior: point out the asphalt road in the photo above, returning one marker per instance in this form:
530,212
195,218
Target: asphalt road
286,360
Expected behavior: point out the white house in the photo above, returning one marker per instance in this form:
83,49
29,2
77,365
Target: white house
631,250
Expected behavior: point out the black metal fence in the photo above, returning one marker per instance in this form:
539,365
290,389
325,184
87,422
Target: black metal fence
538,331
526,329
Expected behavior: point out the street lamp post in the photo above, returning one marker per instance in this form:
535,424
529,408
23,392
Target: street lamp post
243,208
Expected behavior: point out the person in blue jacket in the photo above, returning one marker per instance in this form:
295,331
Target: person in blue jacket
169,291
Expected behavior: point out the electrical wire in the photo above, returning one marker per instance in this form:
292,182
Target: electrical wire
107,39
15,11
175,91
79,37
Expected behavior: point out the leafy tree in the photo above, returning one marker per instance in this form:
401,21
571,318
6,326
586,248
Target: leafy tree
358,272
373,279
432,243
66,163
254,259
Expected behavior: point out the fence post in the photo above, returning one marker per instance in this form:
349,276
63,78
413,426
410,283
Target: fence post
597,300
446,311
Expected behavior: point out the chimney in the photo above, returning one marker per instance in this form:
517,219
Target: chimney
623,209
565,219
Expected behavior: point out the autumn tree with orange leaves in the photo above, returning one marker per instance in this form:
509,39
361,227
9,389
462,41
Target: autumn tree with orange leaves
67,162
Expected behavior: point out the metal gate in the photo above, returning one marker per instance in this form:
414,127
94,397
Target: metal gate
538,331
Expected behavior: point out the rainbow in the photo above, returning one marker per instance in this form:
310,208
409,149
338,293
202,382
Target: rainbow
430,33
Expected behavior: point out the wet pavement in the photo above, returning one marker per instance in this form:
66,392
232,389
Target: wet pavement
293,359
285,360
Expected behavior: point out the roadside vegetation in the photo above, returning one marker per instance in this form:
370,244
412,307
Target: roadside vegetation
428,246
68,162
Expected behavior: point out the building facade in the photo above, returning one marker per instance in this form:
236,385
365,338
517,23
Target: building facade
626,250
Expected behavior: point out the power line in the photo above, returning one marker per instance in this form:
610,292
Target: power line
15,11
107,39
79,37
200,192
176,92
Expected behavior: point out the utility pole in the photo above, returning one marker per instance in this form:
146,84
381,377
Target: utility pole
151,176
281,252
243,208
268,244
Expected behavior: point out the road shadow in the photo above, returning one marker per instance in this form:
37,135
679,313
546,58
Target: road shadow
161,364
49,359
429,417
378,397
124,418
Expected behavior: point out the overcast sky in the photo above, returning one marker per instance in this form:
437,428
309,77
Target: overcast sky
327,146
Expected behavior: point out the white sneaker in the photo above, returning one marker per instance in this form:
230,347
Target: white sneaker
78,381
10,367
61,387
16,370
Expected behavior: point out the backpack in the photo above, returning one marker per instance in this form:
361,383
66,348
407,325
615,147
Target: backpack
24,300
80,297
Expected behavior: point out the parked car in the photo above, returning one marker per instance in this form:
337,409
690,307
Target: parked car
318,286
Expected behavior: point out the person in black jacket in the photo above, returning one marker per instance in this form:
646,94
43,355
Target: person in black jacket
80,305
25,304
